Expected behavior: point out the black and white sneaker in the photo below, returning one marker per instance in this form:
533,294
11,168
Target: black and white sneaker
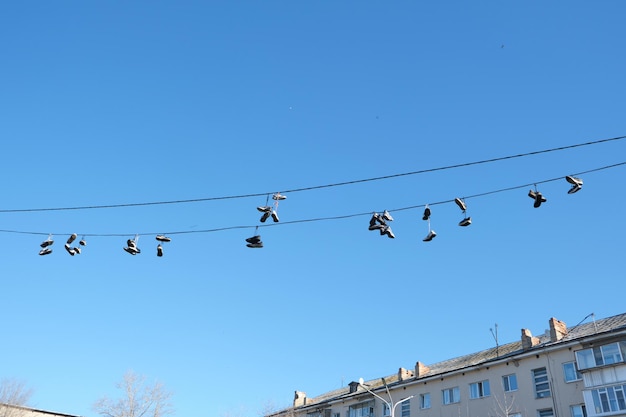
465,222
279,196
69,249
159,250
376,226
45,251
574,189
76,250
275,216
387,216
426,213
264,209
386,230
265,216
254,239
47,242
430,236
132,250
532,194
460,203
255,245
574,180
539,198
162,238
71,239
82,242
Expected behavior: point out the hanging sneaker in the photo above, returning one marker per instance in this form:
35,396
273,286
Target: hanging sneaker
265,216
82,242
45,251
376,218
574,180
574,189
47,242
465,222
264,209
159,250
387,216
254,239
376,226
430,236
460,203
279,196
255,245
539,198
71,238
162,238
275,216
532,194
386,230
426,213
69,250
76,250
132,250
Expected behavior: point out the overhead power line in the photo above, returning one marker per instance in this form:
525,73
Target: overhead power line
328,218
316,187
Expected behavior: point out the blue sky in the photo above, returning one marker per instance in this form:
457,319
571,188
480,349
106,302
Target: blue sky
117,103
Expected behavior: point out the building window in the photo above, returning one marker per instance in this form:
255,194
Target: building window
336,414
542,385
425,401
386,410
509,382
570,372
406,409
479,389
365,409
451,396
547,412
609,399
599,356
578,410
514,415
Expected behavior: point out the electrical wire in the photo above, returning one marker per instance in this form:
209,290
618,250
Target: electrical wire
319,219
316,187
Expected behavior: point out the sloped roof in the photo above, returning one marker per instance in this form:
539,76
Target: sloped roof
609,324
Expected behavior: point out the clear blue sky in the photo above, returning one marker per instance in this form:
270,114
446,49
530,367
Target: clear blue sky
113,102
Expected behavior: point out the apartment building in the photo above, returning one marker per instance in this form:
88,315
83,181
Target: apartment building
565,372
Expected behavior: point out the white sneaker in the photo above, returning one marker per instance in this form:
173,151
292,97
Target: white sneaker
162,238
466,221
45,251
279,196
264,209
275,216
387,216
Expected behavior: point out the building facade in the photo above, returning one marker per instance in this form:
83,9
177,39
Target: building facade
575,372
7,410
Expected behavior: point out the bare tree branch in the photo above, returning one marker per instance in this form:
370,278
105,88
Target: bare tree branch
138,400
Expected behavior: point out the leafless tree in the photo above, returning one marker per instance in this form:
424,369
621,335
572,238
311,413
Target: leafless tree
139,399
14,394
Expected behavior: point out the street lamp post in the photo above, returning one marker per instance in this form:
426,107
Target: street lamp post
390,404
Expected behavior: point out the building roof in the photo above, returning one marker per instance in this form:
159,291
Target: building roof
581,330
28,411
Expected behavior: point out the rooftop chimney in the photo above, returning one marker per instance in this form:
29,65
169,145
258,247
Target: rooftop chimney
558,330
528,340
354,386
421,369
299,399
404,374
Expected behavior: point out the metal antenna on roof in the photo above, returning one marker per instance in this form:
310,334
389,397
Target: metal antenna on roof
495,337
